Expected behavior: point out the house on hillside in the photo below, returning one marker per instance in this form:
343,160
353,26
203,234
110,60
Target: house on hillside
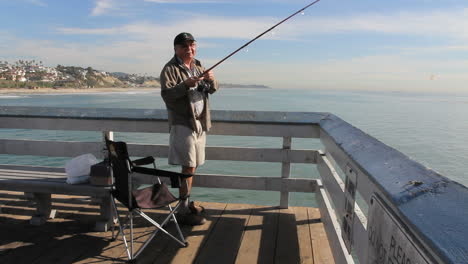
49,77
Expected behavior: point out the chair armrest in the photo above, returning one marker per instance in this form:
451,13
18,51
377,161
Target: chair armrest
143,161
174,176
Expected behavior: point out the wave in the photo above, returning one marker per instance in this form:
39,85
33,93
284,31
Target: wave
105,93
11,96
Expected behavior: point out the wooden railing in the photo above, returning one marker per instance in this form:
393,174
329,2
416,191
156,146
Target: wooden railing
378,206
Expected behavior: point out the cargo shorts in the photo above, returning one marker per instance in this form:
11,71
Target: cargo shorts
187,147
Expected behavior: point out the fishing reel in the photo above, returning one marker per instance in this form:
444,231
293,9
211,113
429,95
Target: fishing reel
203,87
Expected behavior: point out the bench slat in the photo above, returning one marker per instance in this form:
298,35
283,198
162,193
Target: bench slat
39,179
11,178
32,168
3,171
41,186
10,175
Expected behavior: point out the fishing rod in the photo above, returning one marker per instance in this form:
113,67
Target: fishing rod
257,37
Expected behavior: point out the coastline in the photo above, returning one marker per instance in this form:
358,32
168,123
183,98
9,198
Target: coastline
74,90
26,91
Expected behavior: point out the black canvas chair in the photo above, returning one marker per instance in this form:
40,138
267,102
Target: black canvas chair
156,196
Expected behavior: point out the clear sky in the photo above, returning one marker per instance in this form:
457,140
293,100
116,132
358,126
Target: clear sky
398,45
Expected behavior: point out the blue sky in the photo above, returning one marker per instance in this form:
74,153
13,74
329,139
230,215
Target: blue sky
410,45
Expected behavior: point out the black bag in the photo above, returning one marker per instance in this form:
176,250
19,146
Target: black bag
154,196
100,174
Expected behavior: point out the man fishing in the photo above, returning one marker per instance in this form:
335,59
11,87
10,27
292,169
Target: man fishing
185,86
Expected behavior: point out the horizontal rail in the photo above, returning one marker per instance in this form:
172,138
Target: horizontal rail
221,128
239,123
240,117
265,130
245,182
74,148
49,148
68,124
15,176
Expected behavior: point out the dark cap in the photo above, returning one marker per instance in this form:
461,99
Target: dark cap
182,38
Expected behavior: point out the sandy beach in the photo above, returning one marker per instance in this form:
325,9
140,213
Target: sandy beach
72,90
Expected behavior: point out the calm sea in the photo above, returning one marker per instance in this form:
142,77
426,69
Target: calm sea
430,128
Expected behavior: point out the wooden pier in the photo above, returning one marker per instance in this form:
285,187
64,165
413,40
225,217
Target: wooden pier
234,233
376,204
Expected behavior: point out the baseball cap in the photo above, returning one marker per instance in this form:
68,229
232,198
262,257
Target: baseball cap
182,38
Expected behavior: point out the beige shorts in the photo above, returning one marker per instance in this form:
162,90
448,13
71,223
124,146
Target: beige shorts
186,147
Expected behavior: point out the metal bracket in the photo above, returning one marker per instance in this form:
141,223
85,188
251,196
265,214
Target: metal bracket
348,214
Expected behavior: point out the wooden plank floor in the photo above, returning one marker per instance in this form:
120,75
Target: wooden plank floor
234,233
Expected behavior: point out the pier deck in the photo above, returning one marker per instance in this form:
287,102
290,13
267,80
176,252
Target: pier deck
234,233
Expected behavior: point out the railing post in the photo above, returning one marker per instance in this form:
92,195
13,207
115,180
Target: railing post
105,203
285,172
108,134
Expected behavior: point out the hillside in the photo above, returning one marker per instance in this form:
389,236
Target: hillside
32,74
90,78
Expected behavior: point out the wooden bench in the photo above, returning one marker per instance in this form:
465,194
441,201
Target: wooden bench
39,183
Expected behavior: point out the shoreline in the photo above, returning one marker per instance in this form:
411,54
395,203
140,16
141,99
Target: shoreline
74,90
26,91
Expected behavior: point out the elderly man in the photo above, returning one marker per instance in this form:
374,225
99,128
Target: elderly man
186,96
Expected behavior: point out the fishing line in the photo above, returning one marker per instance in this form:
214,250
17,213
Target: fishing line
268,30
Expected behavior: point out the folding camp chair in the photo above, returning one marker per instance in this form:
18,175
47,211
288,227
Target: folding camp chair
156,196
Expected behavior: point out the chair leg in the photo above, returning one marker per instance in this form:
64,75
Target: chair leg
121,230
159,227
129,222
181,241
131,234
172,214
119,221
117,217
124,225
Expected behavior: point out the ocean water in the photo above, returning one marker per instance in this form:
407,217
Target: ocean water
429,128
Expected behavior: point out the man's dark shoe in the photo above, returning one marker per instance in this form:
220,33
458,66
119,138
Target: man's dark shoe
196,209
190,219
